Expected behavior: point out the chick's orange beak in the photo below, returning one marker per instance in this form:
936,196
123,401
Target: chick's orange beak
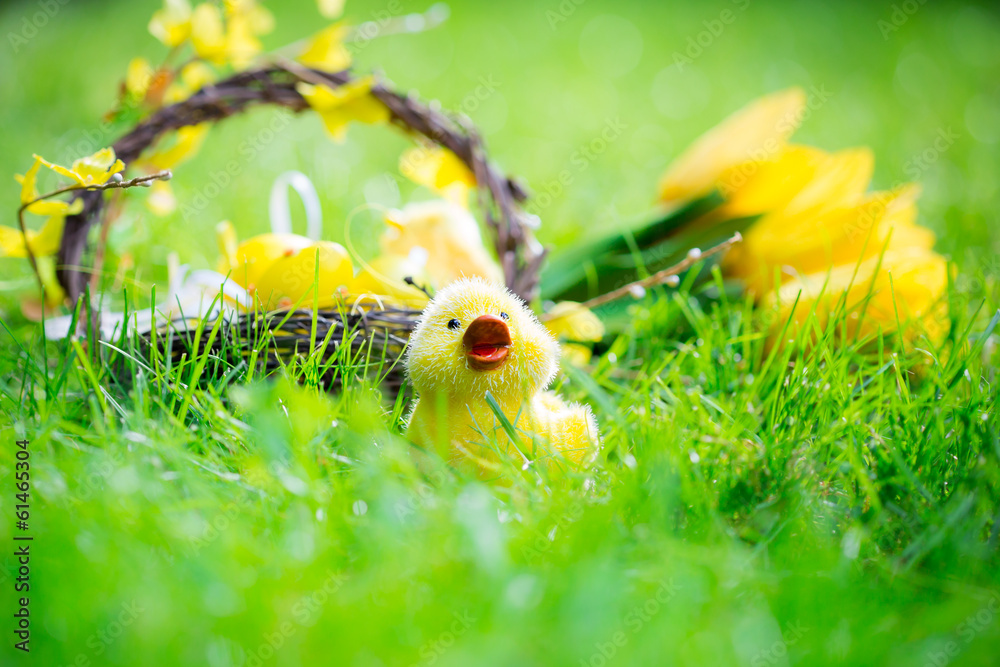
486,343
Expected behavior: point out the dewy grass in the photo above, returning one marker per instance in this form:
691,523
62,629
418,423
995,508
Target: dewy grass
833,503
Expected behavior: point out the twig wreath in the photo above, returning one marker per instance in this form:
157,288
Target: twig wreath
500,196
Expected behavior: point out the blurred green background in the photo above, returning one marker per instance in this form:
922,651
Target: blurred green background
558,75
328,548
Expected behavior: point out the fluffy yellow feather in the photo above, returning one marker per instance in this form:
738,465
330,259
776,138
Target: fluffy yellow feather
448,234
476,337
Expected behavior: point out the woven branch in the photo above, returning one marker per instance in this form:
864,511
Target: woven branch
376,337
501,196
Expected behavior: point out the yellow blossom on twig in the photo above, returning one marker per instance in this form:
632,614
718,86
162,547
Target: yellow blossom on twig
43,242
94,169
326,50
172,24
337,107
440,170
186,143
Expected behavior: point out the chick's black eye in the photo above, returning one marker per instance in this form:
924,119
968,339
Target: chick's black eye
454,324
504,316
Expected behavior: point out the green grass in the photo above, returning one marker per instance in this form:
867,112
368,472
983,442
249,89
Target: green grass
753,506
834,504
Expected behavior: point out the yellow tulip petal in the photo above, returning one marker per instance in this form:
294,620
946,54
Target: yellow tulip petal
326,50
907,282
811,241
753,187
844,176
757,132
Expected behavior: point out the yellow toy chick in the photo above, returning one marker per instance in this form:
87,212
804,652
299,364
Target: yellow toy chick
448,234
476,337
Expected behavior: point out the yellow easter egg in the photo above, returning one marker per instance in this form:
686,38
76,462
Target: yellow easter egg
384,277
290,279
255,256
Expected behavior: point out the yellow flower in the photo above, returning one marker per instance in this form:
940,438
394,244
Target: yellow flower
29,193
574,325
446,235
326,50
440,170
138,77
193,77
172,24
879,294
94,169
331,9
186,143
799,178
208,35
245,20
814,240
755,134
161,200
43,242
339,106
